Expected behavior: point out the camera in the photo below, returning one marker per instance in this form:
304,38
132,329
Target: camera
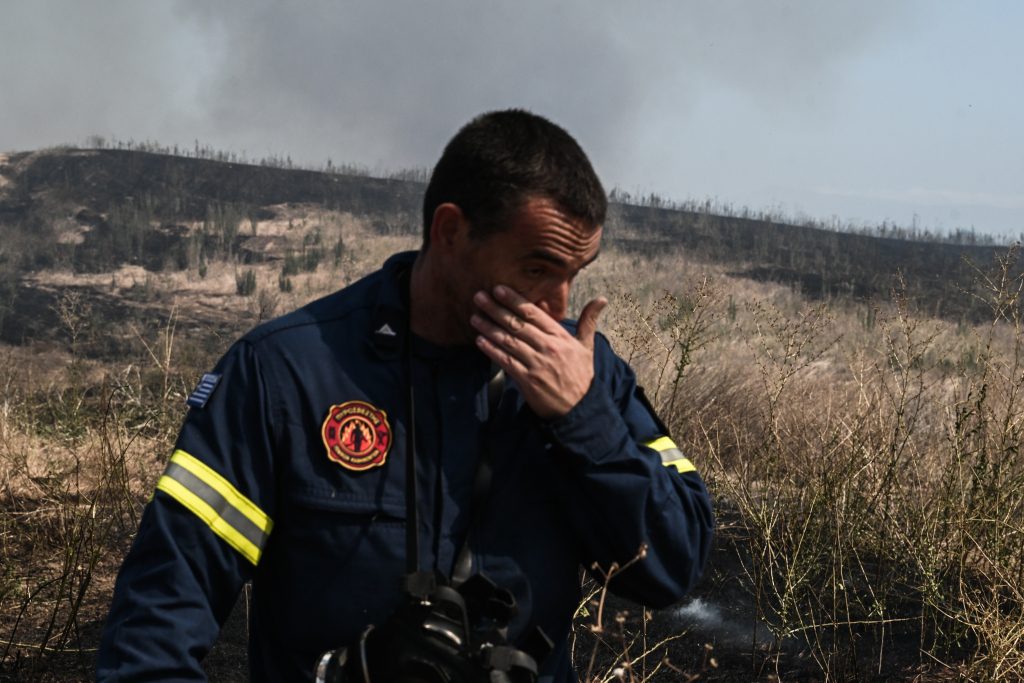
441,634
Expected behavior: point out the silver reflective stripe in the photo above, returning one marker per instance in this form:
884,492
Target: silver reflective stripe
238,522
670,454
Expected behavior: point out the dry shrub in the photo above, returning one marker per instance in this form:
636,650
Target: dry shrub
80,451
865,462
868,463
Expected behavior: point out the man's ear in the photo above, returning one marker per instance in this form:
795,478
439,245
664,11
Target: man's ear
448,227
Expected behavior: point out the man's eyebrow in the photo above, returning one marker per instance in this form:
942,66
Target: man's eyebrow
541,255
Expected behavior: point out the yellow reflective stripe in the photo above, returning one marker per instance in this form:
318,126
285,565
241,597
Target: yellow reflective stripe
662,443
228,513
206,513
682,465
671,456
224,488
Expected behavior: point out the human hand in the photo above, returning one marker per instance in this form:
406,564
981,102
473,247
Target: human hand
552,369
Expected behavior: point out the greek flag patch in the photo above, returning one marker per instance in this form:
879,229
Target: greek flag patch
202,393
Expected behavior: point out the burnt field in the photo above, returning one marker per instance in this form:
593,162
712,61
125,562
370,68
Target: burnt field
864,453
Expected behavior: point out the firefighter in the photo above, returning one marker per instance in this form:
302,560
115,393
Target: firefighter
289,469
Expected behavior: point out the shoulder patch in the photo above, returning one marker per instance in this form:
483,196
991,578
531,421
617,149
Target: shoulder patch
201,394
357,435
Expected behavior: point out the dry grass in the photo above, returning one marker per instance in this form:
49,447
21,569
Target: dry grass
77,457
870,460
866,461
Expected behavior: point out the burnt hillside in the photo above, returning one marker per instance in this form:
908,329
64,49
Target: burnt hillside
91,211
183,187
821,263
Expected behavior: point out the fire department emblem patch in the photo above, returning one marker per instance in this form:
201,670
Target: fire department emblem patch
357,435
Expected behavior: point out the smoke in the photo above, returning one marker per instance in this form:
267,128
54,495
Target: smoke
708,619
387,83
390,82
816,105
71,69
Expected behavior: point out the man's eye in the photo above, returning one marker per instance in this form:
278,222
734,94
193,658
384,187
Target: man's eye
534,271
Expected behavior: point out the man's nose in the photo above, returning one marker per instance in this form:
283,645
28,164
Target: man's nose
555,301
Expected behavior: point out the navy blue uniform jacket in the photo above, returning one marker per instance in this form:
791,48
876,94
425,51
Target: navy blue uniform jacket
251,494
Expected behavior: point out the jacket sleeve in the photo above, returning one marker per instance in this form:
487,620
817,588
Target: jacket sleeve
629,485
201,536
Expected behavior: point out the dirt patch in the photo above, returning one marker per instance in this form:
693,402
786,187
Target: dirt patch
3,167
105,325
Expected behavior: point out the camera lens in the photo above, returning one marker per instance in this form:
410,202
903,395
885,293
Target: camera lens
331,667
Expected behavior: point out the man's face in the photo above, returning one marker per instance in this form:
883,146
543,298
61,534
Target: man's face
538,254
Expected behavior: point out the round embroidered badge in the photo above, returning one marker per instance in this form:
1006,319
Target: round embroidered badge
357,435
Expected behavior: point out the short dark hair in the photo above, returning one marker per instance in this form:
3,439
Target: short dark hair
502,158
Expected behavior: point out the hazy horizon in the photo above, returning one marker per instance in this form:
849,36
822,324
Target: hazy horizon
898,111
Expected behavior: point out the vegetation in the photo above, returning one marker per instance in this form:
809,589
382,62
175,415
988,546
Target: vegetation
868,476
245,282
884,230
864,455
94,210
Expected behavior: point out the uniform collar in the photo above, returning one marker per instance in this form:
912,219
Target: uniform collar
389,324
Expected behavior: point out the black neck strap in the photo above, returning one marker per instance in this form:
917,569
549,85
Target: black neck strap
393,335
482,479
419,583
412,527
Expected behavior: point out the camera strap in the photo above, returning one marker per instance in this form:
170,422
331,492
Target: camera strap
412,526
481,480
419,583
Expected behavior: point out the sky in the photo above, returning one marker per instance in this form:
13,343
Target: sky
906,111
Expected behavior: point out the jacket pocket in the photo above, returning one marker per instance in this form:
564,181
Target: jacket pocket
336,565
346,529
